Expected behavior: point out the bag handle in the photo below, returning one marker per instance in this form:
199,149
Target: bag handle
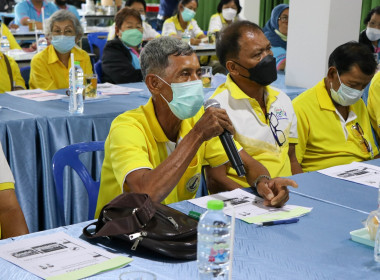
143,211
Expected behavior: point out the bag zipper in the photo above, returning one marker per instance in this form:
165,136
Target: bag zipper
170,219
136,243
136,235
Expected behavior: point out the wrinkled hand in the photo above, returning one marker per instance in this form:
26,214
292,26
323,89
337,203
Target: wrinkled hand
195,42
213,122
275,191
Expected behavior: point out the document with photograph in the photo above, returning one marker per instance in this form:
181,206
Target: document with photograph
358,172
250,208
60,256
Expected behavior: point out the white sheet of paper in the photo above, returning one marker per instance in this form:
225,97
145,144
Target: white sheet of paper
358,172
250,208
111,89
55,254
36,94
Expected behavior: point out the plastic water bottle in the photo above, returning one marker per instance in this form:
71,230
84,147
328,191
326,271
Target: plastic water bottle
83,23
377,238
41,43
76,94
5,47
214,240
186,36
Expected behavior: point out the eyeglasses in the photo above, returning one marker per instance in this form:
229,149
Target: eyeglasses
278,134
358,133
284,19
66,32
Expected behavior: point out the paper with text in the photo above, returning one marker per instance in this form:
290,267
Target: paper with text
111,89
358,172
36,94
60,256
250,208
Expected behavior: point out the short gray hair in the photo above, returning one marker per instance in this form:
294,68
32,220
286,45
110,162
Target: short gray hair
62,15
154,57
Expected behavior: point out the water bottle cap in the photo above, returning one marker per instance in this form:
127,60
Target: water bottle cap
76,62
215,204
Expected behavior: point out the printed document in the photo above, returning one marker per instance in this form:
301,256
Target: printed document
36,94
111,89
60,256
250,208
358,172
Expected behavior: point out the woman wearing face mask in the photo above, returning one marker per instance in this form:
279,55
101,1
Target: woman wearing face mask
228,11
50,68
149,32
371,35
276,30
120,61
184,21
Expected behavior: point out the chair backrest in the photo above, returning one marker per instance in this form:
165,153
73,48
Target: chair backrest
98,70
25,73
69,156
98,39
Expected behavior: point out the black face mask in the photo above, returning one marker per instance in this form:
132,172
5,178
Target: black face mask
264,73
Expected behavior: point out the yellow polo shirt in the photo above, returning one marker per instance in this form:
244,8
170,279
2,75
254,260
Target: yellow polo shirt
5,83
252,127
373,104
48,72
173,27
136,140
325,138
12,41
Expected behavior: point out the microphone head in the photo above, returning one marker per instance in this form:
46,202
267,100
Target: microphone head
211,103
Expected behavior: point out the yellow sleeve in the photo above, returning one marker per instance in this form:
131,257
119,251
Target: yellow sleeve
6,186
17,78
39,74
12,41
374,104
128,151
86,65
303,132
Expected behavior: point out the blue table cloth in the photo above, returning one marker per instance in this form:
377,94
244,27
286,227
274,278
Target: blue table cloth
317,247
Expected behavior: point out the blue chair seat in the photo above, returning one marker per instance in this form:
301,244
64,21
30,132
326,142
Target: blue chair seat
69,156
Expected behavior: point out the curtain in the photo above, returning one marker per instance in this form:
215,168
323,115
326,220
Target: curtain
206,8
266,7
367,5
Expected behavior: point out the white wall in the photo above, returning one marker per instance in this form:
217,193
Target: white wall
315,29
251,10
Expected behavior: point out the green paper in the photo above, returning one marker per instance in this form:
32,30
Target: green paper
114,263
296,212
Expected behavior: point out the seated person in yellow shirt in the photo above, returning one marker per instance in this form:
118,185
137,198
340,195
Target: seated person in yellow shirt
263,116
12,41
12,221
160,148
50,68
373,105
10,78
332,119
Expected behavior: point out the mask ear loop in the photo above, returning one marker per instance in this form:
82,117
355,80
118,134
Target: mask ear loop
243,67
165,83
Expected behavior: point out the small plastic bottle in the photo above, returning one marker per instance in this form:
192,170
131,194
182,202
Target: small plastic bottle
42,43
186,36
376,251
83,23
214,240
76,93
5,46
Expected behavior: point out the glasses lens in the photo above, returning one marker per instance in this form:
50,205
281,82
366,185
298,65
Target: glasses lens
273,120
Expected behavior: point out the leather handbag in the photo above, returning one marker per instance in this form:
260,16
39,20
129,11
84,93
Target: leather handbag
139,221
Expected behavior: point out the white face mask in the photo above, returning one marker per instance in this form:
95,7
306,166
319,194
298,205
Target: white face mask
373,34
345,95
229,13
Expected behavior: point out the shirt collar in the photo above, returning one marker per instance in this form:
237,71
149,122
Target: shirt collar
323,97
154,125
178,25
222,18
53,57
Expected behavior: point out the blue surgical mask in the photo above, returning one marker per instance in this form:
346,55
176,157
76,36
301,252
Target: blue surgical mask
62,43
187,98
345,95
187,14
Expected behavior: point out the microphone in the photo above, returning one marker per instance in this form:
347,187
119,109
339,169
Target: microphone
228,143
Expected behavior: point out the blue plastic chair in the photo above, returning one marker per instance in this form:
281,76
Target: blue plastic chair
98,39
69,156
25,73
98,70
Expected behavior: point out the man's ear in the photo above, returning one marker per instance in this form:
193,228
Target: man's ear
331,73
231,67
154,84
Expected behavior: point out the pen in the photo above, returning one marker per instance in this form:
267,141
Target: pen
280,222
